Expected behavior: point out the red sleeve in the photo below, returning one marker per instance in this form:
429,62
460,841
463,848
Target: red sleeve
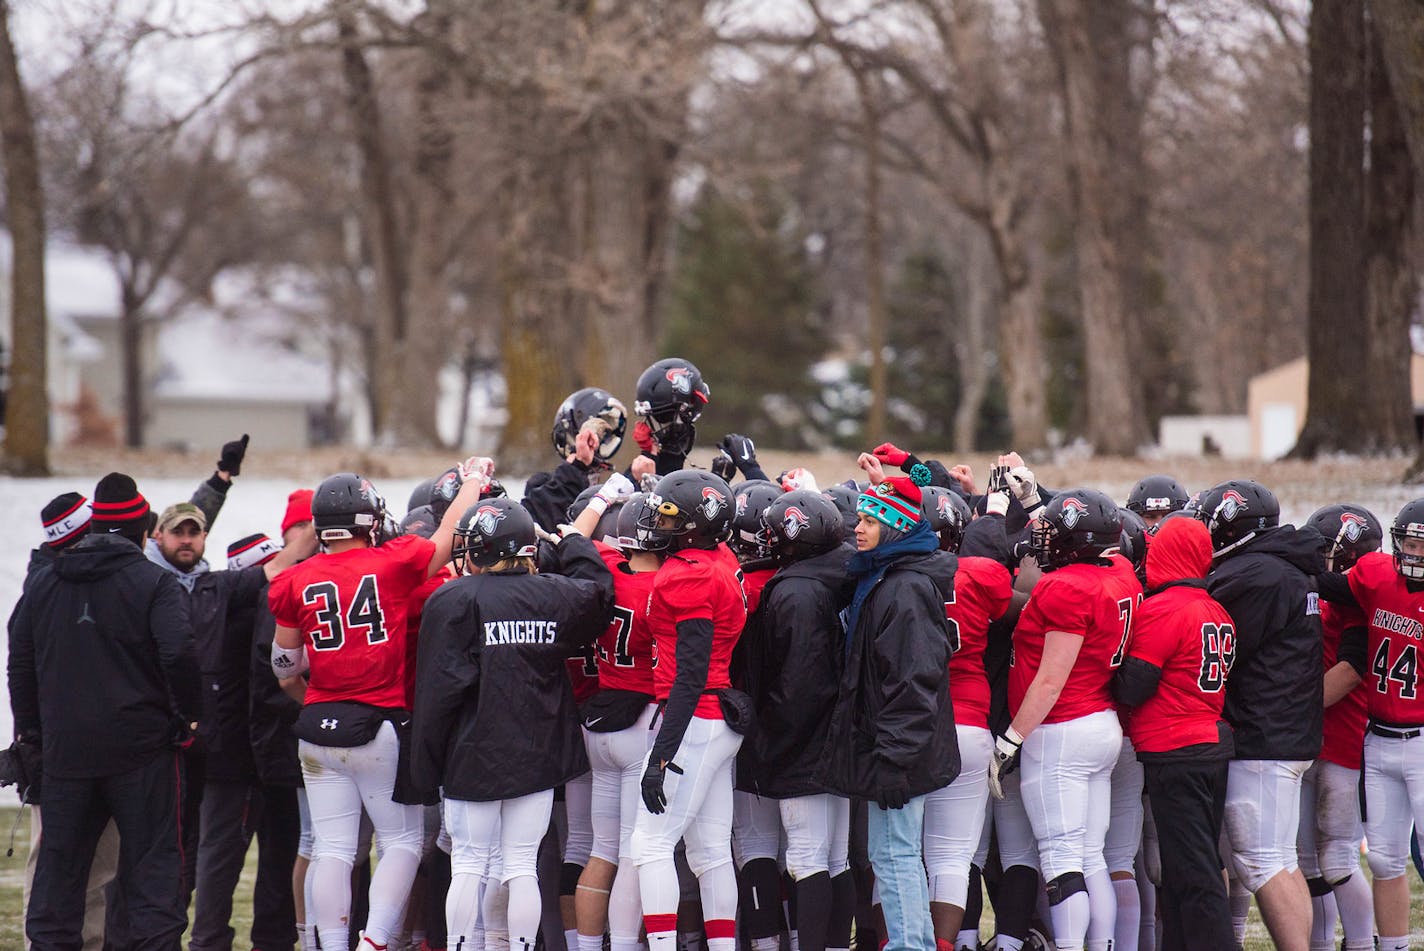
1154,633
1065,607
414,553
1365,576
686,594
281,601
997,584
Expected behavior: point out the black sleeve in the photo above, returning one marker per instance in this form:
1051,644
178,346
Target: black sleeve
753,470
1354,648
985,537
248,585
1135,682
266,698
548,499
23,680
694,655
1335,587
172,630
910,641
577,558
209,496
447,671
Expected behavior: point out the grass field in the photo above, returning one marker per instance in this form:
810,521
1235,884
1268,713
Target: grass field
12,877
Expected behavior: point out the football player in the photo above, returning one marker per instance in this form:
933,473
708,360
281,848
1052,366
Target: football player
670,397
1155,497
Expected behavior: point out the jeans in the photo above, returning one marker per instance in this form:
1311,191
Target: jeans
893,839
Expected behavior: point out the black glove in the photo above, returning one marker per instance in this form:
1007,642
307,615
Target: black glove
232,453
893,797
653,796
740,449
723,467
1004,760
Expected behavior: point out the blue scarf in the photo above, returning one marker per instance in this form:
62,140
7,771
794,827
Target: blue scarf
868,567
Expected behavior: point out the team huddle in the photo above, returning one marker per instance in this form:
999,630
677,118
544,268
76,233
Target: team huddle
755,710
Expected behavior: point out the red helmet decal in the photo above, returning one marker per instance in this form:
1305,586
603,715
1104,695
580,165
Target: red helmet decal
680,378
1073,510
487,518
712,502
794,521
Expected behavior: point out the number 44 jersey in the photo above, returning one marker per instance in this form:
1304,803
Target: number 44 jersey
351,608
1394,616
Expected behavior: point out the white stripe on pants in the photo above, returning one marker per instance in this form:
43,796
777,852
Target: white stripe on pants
1394,797
1067,790
954,819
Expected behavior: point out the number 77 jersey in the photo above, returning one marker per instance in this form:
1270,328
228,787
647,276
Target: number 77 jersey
351,608
1395,619
625,650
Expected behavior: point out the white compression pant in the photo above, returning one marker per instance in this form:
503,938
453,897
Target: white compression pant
513,827
817,834
340,782
954,819
1262,818
578,801
1394,797
1007,820
1328,845
1067,790
617,761
756,828
1124,836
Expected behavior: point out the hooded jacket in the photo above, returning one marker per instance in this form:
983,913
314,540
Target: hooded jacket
792,648
101,660
1275,695
1179,660
893,725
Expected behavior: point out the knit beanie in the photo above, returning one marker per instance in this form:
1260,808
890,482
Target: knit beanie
66,519
896,502
255,549
298,509
119,508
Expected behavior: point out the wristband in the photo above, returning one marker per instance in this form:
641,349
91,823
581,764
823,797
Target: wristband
599,504
289,662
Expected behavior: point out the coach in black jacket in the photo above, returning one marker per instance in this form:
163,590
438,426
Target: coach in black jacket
102,673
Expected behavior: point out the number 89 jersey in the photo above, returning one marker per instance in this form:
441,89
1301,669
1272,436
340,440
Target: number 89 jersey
1395,619
352,607
625,650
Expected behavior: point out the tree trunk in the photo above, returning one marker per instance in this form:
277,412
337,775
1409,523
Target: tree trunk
1020,337
131,344
972,350
1338,417
26,450
1391,281
1401,32
1092,43
878,318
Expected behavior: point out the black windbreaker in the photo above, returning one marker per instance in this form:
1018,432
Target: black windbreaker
893,724
101,660
271,712
1274,693
793,645
494,710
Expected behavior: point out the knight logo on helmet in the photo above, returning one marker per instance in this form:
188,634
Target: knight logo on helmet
487,519
1352,527
741,505
1232,504
946,511
681,379
1073,511
793,522
712,501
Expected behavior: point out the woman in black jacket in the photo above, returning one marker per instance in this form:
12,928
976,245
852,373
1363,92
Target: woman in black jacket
494,722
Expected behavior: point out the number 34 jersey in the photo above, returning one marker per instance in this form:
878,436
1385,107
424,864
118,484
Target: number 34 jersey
352,607
1395,619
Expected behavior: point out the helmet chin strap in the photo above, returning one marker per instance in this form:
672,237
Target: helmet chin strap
1227,549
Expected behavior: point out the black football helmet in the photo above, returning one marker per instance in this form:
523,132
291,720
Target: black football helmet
1078,525
347,506
750,499
948,515
1350,531
1235,511
628,513
419,521
1133,543
801,524
845,496
580,407
420,495
580,503
688,509
671,394
1157,495
492,530
1409,523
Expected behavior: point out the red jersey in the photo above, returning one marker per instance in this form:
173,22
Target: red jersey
414,610
1091,601
352,608
1396,629
625,650
697,584
982,591
1344,742
752,583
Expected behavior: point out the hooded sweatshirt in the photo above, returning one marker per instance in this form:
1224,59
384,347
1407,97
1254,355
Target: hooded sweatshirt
1275,696
1182,640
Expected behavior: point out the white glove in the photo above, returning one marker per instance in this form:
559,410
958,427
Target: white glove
547,536
618,486
477,467
1024,488
799,478
996,503
1005,760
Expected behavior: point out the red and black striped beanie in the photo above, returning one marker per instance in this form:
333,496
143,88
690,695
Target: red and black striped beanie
255,549
118,506
66,519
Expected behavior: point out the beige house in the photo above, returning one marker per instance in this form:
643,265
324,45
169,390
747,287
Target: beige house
1276,404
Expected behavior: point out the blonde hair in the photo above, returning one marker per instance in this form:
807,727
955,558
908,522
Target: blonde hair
512,564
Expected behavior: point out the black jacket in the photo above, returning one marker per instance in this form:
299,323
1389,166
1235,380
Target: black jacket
548,495
101,660
793,644
893,724
270,712
1274,694
494,710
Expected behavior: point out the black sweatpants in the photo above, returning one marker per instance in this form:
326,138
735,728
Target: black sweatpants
1188,798
144,803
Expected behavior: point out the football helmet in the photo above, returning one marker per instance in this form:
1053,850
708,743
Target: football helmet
801,524
419,521
1350,531
948,515
1078,525
628,514
1134,537
689,508
420,495
590,403
580,503
492,530
1235,511
347,506
670,396
750,499
1409,523
443,489
845,496
1157,495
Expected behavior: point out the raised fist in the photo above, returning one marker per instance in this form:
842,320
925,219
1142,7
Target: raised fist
890,454
232,455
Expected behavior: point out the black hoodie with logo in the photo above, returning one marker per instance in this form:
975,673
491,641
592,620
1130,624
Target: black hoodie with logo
101,660
1275,699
